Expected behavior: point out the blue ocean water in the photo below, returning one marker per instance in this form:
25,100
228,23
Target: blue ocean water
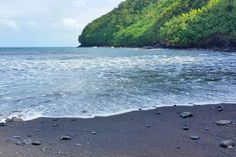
88,82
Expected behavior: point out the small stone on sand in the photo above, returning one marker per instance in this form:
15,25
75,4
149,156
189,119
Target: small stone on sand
19,143
220,108
65,138
27,142
158,113
16,137
194,137
227,143
55,120
94,133
3,124
207,129
223,122
185,128
36,143
16,141
186,115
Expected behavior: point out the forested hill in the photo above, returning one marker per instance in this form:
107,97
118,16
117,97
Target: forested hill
173,23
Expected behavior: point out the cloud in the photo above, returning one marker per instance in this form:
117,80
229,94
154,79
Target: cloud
69,24
54,20
6,19
8,23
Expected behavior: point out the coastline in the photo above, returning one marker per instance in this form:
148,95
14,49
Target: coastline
158,132
227,49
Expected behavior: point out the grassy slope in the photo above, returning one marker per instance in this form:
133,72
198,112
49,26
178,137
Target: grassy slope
169,22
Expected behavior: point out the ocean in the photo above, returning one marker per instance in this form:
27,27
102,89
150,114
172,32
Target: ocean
89,82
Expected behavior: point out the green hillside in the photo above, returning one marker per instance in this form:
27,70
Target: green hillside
175,23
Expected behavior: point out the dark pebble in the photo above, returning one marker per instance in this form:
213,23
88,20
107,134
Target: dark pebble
94,133
185,128
65,138
36,143
220,108
207,129
194,137
158,113
3,124
55,120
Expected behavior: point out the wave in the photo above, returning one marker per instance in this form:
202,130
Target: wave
111,81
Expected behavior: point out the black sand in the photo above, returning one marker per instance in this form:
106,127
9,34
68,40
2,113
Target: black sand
135,134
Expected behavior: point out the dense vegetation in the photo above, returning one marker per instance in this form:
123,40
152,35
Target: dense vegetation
178,23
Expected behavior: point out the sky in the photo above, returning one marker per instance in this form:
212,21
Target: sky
48,23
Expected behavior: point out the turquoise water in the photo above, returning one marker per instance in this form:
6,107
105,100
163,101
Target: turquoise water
88,82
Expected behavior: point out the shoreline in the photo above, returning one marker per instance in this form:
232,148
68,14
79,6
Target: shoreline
232,50
107,115
156,132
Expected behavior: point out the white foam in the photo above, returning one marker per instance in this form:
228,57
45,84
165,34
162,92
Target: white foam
31,115
64,85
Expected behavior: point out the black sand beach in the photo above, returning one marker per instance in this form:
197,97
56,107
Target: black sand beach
153,133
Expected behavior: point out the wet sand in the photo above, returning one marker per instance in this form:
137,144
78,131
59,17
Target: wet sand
153,133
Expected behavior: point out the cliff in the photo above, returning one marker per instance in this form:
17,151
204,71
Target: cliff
165,23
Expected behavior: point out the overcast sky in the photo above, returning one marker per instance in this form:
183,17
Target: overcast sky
48,22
